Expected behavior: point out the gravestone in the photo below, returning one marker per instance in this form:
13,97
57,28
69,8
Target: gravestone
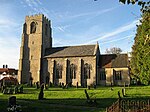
60,85
94,86
63,87
12,106
3,88
66,86
50,84
119,95
12,101
37,85
20,89
89,101
15,90
10,91
88,87
123,92
77,85
87,96
46,86
41,94
70,84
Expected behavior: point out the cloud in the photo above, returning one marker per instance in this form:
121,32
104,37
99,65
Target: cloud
94,13
36,7
117,31
66,16
7,23
61,28
115,40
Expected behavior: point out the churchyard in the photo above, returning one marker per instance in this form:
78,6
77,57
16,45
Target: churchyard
72,99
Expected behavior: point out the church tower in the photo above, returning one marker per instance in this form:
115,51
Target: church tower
36,37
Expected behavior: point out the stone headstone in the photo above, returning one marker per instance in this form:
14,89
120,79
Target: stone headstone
15,90
87,96
50,84
37,85
66,86
12,101
41,94
60,85
123,92
77,85
88,87
20,89
46,86
119,95
94,86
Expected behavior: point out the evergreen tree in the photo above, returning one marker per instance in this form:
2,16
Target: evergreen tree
140,61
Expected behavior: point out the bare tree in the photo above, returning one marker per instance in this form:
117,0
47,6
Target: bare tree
113,50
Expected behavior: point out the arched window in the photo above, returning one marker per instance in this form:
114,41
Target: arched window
72,71
59,71
33,27
87,71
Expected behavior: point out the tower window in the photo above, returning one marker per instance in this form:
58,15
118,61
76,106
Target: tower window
33,27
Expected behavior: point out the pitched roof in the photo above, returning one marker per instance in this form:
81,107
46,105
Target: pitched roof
8,70
114,60
71,51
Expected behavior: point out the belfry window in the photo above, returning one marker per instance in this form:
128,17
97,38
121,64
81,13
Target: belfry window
33,27
87,71
72,71
59,71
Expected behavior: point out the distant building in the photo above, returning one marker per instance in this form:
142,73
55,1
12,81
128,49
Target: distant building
40,62
8,74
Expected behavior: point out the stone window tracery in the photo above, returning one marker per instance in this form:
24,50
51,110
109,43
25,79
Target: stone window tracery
73,71
59,69
117,75
87,71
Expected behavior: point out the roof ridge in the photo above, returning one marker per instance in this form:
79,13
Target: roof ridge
76,46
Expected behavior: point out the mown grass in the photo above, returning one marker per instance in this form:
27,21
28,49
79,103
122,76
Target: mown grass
72,99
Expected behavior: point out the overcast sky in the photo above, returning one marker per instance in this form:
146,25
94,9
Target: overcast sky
74,22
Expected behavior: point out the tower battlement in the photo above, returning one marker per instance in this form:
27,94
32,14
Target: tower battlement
38,17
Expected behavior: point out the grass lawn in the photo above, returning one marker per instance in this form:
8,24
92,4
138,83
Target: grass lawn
71,99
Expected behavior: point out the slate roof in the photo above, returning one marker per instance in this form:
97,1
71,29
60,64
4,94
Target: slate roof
113,60
71,51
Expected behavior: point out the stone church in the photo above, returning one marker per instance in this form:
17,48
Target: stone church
40,62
